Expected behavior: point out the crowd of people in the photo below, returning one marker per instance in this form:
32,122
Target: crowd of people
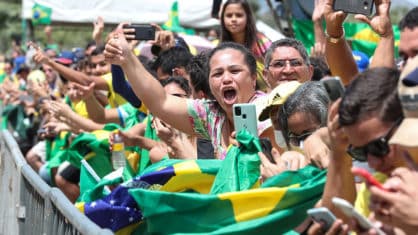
51,97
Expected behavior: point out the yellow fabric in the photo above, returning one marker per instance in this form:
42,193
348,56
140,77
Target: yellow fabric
363,195
127,230
133,159
143,108
115,100
80,108
80,206
200,182
243,202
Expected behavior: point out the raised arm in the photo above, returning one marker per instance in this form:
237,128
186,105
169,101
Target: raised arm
96,111
170,109
70,74
337,51
318,19
384,55
63,112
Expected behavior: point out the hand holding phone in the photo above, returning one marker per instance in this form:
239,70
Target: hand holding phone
245,118
349,211
267,147
139,32
363,173
322,216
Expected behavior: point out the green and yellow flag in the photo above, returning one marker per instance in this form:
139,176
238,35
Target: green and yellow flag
198,197
361,36
173,22
41,14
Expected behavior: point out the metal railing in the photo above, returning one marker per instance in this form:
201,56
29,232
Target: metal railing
30,206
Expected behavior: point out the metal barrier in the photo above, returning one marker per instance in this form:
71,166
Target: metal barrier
28,205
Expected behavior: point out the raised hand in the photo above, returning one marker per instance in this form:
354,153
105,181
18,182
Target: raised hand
268,168
117,48
39,57
98,27
84,92
379,22
334,19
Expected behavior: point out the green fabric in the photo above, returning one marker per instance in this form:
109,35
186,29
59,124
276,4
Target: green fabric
90,188
173,22
241,168
361,35
168,213
15,116
150,134
41,14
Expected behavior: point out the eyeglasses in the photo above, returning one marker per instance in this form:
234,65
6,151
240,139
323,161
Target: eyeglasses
295,140
378,147
279,64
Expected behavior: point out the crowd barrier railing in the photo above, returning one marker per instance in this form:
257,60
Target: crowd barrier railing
30,206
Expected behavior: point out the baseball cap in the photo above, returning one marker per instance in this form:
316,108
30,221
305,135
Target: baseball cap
407,134
362,60
37,76
277,97
66,57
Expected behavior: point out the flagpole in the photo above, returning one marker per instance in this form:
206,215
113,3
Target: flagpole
93,173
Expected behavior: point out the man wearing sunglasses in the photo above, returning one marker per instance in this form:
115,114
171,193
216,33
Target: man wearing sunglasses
359,128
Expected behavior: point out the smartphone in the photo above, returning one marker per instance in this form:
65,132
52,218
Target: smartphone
349,211
364,7
322,216
142,31
216,7
245,118
334,87
363,173
267,147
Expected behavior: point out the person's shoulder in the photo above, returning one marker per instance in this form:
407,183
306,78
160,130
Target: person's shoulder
107,76
262,37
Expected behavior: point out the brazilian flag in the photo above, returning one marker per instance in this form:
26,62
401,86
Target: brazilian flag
197,197
173,22
361,36
41,14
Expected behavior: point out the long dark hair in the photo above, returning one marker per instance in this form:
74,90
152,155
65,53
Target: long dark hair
250,29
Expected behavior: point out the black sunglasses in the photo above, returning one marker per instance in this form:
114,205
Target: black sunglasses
296,139
378,147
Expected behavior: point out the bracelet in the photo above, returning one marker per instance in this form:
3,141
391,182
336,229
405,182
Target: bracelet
332,39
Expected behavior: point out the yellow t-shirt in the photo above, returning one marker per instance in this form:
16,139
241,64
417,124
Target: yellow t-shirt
363,196
80,108
115,99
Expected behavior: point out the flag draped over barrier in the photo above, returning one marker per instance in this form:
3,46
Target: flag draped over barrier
360,35
182,196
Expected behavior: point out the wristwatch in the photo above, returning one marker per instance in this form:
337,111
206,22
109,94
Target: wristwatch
332,39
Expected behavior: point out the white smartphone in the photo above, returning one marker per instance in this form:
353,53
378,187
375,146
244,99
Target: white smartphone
323,216
349,211
245,118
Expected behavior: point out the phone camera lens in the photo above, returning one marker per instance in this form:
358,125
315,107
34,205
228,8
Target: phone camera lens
238,111
365,5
